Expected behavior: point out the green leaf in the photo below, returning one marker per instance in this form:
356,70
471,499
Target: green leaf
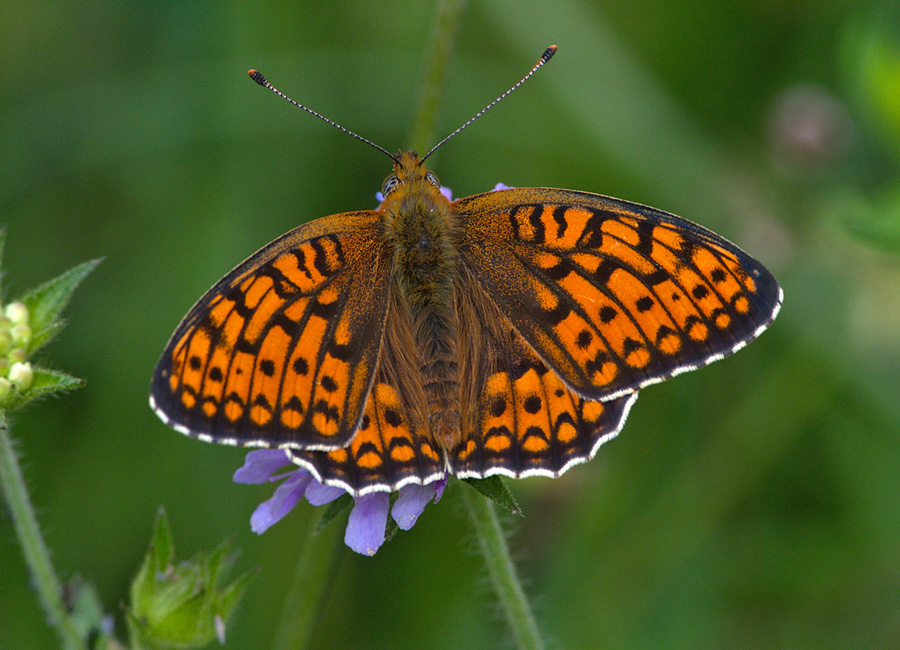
184,605
334,509
391,527
495,489
46,302
87,611
163,547
46,382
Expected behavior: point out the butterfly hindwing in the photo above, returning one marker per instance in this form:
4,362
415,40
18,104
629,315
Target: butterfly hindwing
613,295
530,423
283,350
522,419
388,450
393,444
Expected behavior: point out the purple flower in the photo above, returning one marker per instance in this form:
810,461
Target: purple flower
447,192
444,190
366,526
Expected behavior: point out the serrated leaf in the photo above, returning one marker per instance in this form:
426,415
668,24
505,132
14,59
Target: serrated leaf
45,382
495,489
46,302
334,509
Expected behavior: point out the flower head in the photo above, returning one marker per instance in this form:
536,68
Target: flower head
368,520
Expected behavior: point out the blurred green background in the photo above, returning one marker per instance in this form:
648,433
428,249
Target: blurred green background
751,504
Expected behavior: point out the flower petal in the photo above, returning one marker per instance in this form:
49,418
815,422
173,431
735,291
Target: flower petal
501,186
260,464
365,528
319,494
411,503
447,193
285,498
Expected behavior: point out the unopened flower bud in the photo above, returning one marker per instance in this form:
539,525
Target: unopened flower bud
21,335
17,312
21,374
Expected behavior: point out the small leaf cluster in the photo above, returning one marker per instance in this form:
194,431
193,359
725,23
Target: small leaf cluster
26,325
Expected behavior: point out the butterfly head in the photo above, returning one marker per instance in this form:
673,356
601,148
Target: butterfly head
409,177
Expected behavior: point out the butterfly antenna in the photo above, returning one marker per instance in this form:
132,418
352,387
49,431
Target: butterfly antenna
546,56
262,81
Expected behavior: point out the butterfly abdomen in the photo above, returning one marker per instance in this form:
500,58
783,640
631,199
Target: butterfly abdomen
422,234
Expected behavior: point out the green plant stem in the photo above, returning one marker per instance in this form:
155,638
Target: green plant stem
481,510
314,577
503,574
37,557
437,70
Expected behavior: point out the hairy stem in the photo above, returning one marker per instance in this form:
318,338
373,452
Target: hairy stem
314,577
504,577
437,69
37,556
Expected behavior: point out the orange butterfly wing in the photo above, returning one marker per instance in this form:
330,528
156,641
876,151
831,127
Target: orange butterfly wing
283,350
387,451
612,295
567,303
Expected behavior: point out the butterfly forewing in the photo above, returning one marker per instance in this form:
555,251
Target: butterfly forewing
283,350
613,295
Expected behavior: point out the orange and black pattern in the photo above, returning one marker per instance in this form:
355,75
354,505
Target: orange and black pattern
517,349
282,349
529,422
614,295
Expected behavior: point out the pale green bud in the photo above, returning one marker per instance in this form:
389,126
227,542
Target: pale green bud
21,335
21,374
17,312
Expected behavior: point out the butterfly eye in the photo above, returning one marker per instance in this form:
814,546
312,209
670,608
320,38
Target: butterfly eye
390,184
433,179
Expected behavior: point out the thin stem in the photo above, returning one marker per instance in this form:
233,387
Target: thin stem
487,527
437,69
314,577
504,577
37,557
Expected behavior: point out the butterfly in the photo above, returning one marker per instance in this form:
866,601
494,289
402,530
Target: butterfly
503,333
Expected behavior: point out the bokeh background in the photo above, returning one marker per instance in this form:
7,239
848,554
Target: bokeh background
751,504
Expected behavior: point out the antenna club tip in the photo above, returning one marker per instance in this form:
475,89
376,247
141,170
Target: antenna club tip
549,52
257,76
